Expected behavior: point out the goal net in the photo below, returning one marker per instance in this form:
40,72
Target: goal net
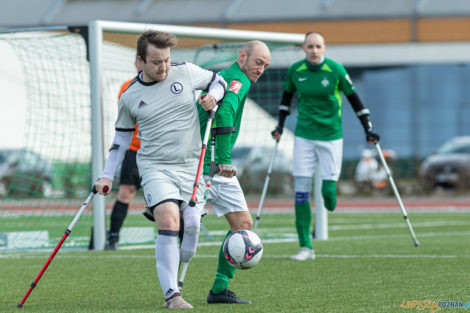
60,94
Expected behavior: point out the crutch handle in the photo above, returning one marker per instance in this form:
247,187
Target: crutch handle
105,189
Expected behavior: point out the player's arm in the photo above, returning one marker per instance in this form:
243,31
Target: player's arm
215,93
362,114
125,125
122,140
207,81
285,105
284,111
223,140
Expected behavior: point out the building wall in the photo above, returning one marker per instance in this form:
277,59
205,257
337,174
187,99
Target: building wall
342,21
360,31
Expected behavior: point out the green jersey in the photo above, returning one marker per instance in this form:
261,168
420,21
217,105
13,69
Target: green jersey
319,90
229,114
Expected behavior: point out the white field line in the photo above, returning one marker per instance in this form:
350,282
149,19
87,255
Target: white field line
397,225
41,253
271,256
352,211
363,226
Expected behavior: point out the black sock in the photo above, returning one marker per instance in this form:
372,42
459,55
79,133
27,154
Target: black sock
118,215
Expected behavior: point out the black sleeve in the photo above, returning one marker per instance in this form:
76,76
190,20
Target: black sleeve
284,107
356,102
362,113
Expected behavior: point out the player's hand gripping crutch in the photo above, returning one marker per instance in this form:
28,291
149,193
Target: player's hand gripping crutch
193,200
210,118
395,190
265,187
64,237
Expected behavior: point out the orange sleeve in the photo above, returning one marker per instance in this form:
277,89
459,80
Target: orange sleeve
135,143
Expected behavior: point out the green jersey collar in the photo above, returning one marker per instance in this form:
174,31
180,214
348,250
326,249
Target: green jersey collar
236,66
315,67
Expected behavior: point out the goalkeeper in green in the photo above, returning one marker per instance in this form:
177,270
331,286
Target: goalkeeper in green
318,82
225,194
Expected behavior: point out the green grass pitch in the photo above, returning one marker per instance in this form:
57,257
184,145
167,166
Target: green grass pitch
369,264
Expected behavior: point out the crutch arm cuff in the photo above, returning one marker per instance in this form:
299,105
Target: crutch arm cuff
223,130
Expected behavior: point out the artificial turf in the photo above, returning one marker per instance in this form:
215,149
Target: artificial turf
369,264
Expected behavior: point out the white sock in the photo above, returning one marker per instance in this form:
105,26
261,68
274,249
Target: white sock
192,224
167,258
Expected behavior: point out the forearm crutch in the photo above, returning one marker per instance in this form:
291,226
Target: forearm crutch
210,118
64,237
265,187
395,190
193,200
213,169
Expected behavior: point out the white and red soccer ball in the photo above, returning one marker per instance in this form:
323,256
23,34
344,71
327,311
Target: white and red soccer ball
243,249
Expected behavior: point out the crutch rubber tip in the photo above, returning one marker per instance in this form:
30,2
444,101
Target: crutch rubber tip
19,306
192,203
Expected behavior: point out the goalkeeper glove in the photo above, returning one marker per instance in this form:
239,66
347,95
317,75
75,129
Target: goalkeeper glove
277,130
372,136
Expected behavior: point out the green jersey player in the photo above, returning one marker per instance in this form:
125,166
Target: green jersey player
225,194
319,82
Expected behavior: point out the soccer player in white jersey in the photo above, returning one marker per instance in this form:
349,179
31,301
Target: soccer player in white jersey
161,101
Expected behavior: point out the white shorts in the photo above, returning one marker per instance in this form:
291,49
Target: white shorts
226,195
329,154
163,185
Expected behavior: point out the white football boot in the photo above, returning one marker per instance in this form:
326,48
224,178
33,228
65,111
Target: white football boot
304,254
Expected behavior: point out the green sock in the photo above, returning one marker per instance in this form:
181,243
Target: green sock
224,271
303,219
328,191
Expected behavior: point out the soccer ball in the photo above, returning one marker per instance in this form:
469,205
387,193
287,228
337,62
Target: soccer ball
243,249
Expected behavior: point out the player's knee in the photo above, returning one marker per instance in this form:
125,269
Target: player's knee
165,220
126,193
240,220
302,183
246,224
301,197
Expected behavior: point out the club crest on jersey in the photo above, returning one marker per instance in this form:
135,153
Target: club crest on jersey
176,88
235,86
325,82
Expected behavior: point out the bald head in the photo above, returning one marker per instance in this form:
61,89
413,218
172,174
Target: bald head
315,35
255,46
254,58
314,47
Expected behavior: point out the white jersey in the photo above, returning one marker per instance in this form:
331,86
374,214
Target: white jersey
167,116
